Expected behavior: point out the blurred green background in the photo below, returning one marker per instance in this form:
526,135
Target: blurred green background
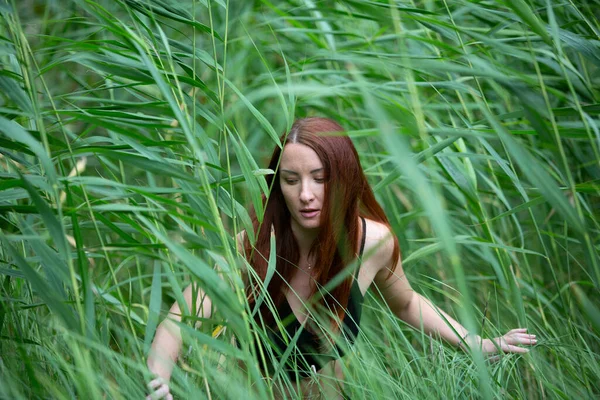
133,140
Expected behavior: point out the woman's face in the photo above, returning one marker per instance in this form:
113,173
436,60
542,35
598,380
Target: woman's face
302,180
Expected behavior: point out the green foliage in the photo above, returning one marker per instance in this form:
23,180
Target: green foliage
132,137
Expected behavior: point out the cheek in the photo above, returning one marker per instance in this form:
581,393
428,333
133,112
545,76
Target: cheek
287,195
320,191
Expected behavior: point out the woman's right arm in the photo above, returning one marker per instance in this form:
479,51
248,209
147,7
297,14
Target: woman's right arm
167,341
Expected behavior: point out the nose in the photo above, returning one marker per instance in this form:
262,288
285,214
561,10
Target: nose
306,194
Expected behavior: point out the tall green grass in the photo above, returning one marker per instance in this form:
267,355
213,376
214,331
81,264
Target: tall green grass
133,134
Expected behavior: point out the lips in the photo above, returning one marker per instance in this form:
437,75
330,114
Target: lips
309,213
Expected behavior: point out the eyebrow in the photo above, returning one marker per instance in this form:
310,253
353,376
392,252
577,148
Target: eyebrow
295,173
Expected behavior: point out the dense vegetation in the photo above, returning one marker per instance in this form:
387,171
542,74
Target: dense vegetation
133,134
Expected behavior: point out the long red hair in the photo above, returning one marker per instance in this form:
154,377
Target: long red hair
347,196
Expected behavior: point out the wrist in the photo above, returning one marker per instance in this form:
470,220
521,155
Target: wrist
159,370
469,340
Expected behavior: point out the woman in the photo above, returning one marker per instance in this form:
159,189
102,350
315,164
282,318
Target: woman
327,224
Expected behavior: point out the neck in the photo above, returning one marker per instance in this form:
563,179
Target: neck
304,237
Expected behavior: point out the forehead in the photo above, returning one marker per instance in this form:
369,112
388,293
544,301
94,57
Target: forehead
299,158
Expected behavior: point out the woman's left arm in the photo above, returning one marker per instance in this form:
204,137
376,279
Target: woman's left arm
419,312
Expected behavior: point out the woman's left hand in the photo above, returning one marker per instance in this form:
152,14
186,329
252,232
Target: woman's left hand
509,343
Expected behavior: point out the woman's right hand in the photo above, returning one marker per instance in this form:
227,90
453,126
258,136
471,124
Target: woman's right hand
166,345
159,389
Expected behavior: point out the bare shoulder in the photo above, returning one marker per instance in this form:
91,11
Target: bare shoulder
379,244
239,240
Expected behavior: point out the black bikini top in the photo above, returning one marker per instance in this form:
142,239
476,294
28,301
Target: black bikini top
306,355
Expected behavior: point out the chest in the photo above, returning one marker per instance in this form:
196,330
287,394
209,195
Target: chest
302,285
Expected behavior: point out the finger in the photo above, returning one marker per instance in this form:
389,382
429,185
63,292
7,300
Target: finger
520,339
521,334
162,392
169,396
515,349
517,330
526,341
523,339
153,384
525,336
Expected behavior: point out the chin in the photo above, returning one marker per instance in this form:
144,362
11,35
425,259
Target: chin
312,226
309,225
